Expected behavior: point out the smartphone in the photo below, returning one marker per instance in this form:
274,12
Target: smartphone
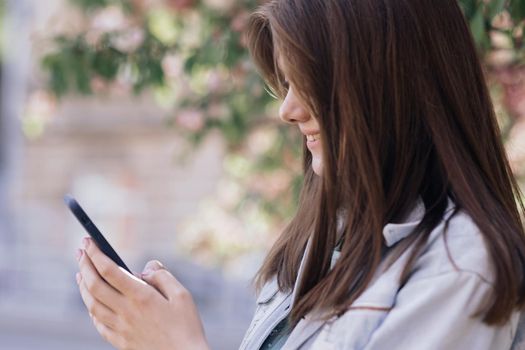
93,231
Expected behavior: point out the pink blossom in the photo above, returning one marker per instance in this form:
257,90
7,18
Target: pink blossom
129,40
178,5
220,5
218,111
215,81
98,84
239,21
513,82
190,119
516,147
42,104
172,66
109,19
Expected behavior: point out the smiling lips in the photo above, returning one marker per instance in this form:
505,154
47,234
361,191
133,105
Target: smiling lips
312,141
312,138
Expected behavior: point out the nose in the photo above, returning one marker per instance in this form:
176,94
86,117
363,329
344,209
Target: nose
291,110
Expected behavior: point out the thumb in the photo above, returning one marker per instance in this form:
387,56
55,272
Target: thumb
165,283
151,266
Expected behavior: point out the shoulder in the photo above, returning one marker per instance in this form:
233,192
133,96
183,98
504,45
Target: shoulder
456,245
446,289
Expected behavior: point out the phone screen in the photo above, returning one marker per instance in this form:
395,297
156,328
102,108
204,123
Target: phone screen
93,231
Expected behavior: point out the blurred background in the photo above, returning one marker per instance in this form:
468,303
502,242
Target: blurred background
150,113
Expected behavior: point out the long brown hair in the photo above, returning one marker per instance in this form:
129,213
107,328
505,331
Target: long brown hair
404,112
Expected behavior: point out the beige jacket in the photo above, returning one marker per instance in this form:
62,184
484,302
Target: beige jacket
431,311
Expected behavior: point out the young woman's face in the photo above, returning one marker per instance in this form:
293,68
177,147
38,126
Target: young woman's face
293,111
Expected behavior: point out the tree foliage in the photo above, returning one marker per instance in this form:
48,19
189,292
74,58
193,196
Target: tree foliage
191,55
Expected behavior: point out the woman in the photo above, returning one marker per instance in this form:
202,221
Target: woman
408,232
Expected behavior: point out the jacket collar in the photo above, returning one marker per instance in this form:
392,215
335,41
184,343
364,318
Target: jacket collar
393,233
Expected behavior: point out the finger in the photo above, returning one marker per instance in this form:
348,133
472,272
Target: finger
108,333
165,283
95,308
123,281
97,287
152,265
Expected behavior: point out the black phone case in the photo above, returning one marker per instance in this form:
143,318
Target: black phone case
94,232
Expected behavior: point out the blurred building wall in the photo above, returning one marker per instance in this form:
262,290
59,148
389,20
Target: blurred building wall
15,65
117,156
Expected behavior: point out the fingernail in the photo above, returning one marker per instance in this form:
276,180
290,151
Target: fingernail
85,242
79,254
146,273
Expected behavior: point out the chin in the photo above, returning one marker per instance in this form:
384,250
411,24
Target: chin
317,166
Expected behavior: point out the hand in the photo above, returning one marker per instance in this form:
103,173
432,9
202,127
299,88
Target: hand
132,314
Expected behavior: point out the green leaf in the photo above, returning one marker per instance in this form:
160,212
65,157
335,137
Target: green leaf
155,73
56,66
477,25
234,52
190,63
82,74
163,27
494,7
517,10
106,63
90,4
469,7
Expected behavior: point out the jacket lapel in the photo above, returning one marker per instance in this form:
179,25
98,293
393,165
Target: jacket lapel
277,311
307,327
